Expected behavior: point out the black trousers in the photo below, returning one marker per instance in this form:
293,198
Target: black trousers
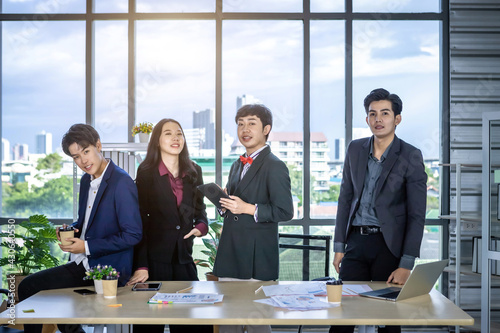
173,272
367,258
66,276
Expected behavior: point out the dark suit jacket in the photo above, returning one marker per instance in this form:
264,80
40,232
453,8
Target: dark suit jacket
401,195
165,225
114,226
248,249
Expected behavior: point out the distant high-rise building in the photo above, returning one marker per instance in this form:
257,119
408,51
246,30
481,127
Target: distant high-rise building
194,140
21,152
246,99
5,150
44,143
205,120
339,149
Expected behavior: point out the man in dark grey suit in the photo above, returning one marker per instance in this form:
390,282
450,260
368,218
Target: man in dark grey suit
381,209
260,197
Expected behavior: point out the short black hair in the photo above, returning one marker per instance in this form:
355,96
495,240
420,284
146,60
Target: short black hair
81,134
381,94
259,110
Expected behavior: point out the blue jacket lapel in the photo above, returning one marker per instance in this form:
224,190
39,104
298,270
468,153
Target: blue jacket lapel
100,192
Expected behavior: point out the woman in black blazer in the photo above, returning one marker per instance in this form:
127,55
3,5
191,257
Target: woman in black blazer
172,212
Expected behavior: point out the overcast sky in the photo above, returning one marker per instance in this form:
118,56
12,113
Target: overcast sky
44,70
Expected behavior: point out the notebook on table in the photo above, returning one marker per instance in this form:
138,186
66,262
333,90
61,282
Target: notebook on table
421,280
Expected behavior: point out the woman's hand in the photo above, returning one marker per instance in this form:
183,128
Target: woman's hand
194,232
140,275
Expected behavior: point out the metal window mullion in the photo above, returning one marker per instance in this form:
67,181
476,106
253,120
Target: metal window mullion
444,147
89,65
218,93
306,163
348,72
131,70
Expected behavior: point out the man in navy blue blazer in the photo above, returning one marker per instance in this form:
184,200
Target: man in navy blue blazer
108,226
381,209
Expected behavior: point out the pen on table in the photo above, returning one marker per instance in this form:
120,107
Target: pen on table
161,302
258,289
184,290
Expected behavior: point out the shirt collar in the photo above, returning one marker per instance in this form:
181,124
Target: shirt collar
386,152
256,153
95,182
163,170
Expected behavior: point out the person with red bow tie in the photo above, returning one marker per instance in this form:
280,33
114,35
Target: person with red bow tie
260,197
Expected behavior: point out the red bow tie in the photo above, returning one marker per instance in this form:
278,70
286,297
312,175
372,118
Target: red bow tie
246,160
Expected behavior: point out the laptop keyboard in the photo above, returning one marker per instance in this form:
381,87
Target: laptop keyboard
392,294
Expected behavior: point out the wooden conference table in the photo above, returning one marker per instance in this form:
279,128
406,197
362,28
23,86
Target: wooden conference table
65,306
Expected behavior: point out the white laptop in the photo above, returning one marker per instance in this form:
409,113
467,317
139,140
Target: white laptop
421,280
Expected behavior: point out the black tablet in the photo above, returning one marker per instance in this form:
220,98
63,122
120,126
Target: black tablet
214,193
145,286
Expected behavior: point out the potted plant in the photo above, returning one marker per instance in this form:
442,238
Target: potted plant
144,130
211,244
100,274
28,246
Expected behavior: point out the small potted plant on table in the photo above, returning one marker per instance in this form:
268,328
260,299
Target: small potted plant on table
105,279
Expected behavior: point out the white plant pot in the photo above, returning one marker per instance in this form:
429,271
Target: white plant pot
98,287
143,138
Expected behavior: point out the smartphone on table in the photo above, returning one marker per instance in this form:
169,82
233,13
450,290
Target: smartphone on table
84,291
146,286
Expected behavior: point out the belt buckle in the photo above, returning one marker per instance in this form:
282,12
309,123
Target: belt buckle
364,231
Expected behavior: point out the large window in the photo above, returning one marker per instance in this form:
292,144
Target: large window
197,61
43,92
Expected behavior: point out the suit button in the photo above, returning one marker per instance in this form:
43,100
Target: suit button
236,218
177,227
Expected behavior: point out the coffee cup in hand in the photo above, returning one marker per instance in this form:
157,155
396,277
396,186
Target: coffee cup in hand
66,232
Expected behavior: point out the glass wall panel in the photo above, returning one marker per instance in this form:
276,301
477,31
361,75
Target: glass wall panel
391,55
176,79
111,6
43,94
175,6
43,7
262,63
322,6
396,6
111,80
327,116
282,6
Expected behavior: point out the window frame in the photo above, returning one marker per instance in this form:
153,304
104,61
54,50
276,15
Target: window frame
348,16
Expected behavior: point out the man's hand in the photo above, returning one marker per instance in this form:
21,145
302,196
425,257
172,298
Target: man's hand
337,258
399,276
140,275
78,246
237,206
196,232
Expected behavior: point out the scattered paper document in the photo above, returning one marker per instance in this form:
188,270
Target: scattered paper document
296,302
306,288
354,289
165,298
